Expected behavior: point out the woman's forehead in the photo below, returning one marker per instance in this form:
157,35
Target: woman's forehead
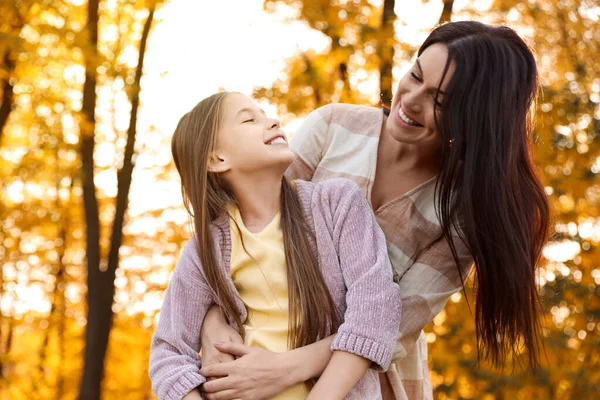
432,63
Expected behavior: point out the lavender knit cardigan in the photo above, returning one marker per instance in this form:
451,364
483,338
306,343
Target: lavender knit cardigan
353,256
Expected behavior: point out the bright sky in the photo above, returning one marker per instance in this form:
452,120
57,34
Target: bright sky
235,44
199,47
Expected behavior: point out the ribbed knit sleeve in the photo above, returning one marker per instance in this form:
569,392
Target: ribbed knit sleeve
373,306
174,359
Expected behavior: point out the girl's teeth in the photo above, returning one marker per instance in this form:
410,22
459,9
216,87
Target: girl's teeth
277,140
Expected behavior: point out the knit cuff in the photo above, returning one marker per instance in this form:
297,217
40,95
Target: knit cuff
186,383
367,348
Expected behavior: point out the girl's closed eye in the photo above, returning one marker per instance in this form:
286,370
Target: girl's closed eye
248,120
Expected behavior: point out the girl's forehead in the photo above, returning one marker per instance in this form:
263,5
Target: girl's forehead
237,103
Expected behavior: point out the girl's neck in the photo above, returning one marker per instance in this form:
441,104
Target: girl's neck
258,200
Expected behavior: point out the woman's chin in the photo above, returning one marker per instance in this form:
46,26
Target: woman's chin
406,134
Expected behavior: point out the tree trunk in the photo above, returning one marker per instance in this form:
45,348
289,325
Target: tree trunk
101,284
446,12
7,91
92,369
386,52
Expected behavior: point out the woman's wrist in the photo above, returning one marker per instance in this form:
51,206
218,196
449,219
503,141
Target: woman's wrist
307,362
291,363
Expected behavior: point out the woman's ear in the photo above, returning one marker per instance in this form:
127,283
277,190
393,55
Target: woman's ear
217,163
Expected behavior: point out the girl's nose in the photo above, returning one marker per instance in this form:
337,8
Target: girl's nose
274,123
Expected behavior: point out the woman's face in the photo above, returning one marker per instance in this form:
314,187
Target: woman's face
248,141
412,118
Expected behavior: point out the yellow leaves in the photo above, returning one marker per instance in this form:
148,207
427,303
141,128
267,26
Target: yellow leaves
148,4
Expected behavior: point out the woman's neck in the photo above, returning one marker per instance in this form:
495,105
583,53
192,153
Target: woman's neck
259,201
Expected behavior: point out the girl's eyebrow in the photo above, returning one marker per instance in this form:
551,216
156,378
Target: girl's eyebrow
250,110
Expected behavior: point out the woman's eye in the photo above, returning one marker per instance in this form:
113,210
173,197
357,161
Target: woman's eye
415,77
248,120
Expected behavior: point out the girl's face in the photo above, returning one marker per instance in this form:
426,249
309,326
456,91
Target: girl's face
412,118
248,141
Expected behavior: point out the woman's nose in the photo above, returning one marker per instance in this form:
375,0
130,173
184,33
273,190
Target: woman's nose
411,102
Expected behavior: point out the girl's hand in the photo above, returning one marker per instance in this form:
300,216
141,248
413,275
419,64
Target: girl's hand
255,374
216,330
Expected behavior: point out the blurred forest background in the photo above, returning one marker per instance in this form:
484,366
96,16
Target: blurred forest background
90,209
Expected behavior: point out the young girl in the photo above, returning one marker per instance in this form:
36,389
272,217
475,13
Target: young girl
284,261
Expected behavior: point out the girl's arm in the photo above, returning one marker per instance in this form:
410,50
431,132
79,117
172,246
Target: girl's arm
174,359
343,372
216,330
193,395
373,307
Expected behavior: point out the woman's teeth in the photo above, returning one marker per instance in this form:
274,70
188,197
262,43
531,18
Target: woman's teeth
404,118
277,140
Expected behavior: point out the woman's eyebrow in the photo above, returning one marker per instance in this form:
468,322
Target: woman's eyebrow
419,65
422,75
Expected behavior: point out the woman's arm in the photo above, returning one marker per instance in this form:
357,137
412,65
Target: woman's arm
309,143
258,373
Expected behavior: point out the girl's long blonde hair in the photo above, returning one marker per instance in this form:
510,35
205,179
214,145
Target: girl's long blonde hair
312,313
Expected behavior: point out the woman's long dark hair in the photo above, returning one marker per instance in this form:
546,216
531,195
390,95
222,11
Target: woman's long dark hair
488,189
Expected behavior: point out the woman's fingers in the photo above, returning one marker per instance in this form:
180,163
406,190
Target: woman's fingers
217,370
224,395
235,349
218,385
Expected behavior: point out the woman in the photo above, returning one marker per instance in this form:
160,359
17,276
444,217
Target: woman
449,173
288,263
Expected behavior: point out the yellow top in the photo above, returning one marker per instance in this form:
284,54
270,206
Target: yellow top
260,275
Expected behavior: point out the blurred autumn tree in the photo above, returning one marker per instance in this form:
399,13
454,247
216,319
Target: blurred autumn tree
66,88
361,43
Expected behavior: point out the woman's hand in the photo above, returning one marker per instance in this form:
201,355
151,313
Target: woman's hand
255,374
215,330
